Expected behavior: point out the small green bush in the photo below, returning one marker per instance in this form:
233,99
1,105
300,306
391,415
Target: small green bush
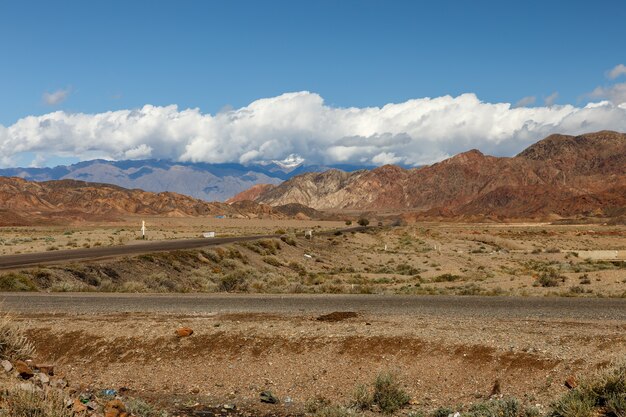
234,282
446,278
550,278
270,260
604,394
16,282
388,394
363,222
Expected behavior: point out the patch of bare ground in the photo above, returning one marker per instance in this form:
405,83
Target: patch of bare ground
231,358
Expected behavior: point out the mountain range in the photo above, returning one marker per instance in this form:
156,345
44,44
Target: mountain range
25,202
209,182
558,176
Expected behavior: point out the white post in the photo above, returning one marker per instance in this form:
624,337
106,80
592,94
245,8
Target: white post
143,229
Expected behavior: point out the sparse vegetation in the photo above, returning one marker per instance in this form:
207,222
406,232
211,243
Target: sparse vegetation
603,394
386,394
13,343
18,402
14,281
550,278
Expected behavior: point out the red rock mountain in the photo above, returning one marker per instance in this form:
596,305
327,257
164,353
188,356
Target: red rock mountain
558,176
251,193
23,202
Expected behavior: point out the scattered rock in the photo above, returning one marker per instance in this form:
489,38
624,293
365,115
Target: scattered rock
571,382
46,369
184,332
338,316
8,366
78,407
23,370
115,408
43,378
268,397
58,383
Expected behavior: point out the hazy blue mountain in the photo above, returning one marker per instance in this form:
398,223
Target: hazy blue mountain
211,182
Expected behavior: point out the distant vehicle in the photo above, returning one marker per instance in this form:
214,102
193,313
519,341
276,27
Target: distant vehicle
221,216
208,234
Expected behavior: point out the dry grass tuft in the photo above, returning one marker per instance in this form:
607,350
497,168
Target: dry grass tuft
21,402
13,343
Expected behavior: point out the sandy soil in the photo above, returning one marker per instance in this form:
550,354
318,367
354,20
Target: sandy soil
441,360
15,240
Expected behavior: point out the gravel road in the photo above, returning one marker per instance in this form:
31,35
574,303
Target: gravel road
437,306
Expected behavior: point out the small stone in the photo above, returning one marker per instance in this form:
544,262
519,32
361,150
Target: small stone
23,370
58,383
8,366
268,397
184,332
78,407
115,408
43,378
571,382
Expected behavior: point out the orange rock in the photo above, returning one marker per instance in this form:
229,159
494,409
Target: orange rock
78,407
115,408
571,382
24,370
184,332
45,369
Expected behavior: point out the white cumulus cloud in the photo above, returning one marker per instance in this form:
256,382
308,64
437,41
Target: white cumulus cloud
300,125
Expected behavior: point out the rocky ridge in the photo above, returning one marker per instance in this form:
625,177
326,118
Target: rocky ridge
558,176
24,202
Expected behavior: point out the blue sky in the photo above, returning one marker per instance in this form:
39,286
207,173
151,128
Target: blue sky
93,57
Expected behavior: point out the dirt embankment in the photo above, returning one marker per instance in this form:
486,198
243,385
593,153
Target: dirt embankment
232,357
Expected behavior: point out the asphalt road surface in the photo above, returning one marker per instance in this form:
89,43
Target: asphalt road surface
41,258
38,258
202,304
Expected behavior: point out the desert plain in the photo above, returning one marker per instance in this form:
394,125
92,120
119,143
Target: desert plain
452,310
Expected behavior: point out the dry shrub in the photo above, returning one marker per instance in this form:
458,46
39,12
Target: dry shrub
604,394
20,402
387,394
13,343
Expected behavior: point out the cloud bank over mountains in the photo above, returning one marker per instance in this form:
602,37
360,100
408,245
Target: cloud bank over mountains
301,125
